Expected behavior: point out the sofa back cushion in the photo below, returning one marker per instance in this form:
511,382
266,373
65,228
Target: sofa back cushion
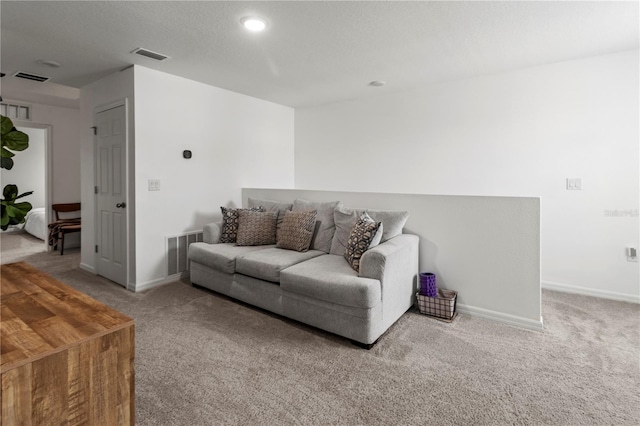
325,225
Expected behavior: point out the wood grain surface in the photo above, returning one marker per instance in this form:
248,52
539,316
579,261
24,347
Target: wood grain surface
65,358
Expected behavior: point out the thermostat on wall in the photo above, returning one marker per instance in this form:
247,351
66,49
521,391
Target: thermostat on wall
186,153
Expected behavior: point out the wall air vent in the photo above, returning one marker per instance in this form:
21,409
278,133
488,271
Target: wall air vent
32,77
149,54
178,249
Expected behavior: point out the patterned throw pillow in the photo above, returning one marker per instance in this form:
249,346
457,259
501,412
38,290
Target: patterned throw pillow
297,230
272,206
229,230
256,228
360,239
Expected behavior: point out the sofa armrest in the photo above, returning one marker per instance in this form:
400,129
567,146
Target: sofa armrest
398,253
211,233
395,264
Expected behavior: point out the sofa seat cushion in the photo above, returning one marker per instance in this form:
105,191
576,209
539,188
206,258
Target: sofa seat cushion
330,278
266,264
221,257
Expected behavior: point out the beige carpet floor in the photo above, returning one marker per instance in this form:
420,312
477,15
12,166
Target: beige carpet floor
203,359
17,245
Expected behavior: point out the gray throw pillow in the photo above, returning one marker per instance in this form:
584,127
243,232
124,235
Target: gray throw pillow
297,230
256,228
325,225
360,238
272,206
393,222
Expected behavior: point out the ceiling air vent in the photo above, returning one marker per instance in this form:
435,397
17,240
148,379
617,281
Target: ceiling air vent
149,54
32,77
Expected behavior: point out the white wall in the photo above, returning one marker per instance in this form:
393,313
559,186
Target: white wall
115,88
28,172
65,143
520,133
236,141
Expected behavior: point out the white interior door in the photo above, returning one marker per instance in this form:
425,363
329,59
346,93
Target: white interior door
111,195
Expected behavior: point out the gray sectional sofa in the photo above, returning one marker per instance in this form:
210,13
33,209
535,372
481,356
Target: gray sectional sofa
317,287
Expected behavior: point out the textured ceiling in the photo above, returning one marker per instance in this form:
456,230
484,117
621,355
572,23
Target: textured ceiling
312,52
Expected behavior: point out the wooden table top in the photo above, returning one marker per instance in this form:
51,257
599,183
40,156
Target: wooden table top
40,316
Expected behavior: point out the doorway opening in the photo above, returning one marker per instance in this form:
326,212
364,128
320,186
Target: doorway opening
31,172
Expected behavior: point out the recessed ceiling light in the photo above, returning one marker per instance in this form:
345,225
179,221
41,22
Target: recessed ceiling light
253,23
377,83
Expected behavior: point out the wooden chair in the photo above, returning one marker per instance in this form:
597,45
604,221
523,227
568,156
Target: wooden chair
61,227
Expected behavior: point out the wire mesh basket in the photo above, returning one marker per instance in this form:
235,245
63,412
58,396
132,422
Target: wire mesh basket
443,306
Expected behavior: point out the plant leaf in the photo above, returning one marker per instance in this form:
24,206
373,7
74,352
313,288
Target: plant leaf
12,210
4,152
6,163
10,192
5,217
15,140
25,206
17,212
6,125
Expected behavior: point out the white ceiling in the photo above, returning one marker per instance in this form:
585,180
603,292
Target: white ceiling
312,52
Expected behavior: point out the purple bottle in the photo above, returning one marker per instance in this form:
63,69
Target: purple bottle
428,284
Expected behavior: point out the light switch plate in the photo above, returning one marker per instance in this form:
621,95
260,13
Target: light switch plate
574,184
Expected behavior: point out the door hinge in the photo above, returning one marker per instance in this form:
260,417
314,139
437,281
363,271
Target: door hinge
96,248
95,189
95,130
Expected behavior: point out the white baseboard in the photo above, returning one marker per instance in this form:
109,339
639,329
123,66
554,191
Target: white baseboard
160,281
88,268
500,317
586,291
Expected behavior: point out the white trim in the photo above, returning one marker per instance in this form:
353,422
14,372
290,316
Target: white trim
160,281
111,105
508,319
88,268
594,292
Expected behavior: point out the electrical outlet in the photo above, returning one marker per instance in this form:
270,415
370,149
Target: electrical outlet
632,254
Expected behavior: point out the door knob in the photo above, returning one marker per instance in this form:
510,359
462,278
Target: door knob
121,205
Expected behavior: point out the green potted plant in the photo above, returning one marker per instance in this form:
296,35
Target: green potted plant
13,213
